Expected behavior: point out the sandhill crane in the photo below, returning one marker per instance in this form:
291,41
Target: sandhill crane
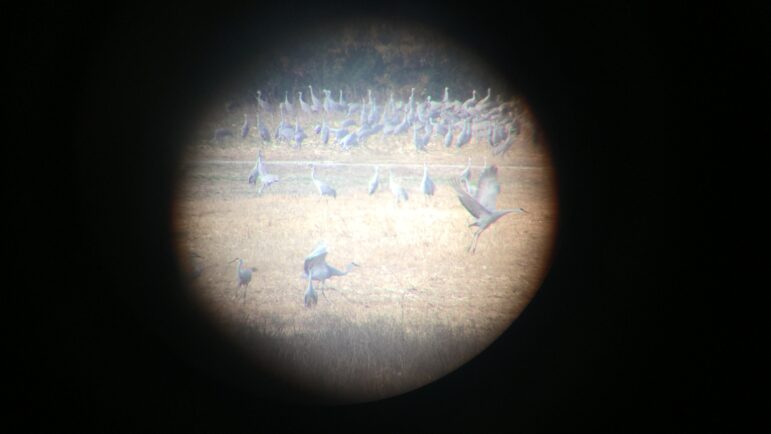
470,102
482,204
299,134
316,268
263,130
259,171
400,194
315,103
310,299
448,138
504,146
349,141
465,135
374,183
482,104
324,132
288,105
323,188
244,274
245,127
419,141
264,106
427,185
303,105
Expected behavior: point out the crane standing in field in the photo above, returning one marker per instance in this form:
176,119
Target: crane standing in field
427,185
482,204
316,268
323,188
244,274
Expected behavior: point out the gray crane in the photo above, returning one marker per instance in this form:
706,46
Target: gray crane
420,141
400,194
323,188
316,268
471,101
263,130
288,105
465,135
427,185
245,127
324,131
264,106
299,134
482,104
315,103
504,146
303,105
482,204
244,274
259,171
374,183
448,138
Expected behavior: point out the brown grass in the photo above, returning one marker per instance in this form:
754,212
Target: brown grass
418,306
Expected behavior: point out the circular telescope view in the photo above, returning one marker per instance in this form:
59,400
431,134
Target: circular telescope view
367,210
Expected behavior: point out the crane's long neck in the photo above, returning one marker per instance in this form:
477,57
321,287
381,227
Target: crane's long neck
313,173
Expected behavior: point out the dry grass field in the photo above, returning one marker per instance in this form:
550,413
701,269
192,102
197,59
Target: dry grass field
419,304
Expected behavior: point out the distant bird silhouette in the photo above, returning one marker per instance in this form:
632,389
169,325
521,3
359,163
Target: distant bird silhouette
323,188
299,134
427,185
448,138
303,105
374,183
264,106
245,127
324,132
482,204
419,141
465,135
263,130
505,145
288,105
315,103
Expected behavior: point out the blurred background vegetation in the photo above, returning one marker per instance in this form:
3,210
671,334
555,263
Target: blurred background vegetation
382,56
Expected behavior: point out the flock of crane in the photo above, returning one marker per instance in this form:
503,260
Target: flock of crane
393,118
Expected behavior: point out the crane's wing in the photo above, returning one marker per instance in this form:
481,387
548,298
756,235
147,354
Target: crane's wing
316,257
488,188
471,204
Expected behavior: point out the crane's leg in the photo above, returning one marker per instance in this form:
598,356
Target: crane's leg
473,247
